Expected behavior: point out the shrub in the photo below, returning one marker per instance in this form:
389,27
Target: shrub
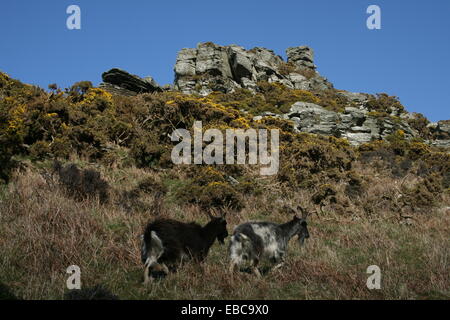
424,194
11,141
324,192
78,89
151,186
384,103
40,150
98,292
286,68
220,195
331,100
271,97
309,159
61,147
419,123
354,187
306,72
82,184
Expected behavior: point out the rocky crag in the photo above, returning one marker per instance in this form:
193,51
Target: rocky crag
121,82
212,68
358,123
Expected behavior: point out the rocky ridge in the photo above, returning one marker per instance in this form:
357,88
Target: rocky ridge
121,82
213,68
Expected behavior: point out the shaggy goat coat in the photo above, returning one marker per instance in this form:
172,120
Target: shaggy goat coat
168,241
254,241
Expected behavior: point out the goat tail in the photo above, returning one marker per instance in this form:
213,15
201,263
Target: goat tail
151,250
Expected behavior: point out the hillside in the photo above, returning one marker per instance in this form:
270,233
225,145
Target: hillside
84,168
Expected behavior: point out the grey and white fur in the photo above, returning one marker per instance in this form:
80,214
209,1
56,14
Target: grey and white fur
253,241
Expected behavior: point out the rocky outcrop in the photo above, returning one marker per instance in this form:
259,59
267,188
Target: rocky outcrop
441,132
357,124
302,57
121,82
211,67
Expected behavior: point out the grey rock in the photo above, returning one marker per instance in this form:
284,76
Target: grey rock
185,65
300,53
354,96
241,65
116,89
307,109
211,67
266,62
249,84
361,129
441,131
302,57
121,79
299,81
357,138
444,126
213,60
354,124
167,87
151,81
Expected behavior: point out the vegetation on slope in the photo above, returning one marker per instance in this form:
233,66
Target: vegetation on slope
381,203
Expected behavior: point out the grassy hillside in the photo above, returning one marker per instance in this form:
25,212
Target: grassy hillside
385,203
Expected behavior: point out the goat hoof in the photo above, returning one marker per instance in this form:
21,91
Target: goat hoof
147,281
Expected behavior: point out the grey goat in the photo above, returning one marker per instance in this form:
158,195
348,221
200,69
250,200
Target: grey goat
254,241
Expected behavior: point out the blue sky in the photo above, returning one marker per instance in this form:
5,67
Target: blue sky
409,57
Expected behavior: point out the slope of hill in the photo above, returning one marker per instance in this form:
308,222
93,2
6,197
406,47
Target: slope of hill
376,178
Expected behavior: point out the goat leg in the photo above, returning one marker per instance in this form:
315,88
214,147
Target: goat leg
233,266
147,278
280,264
255,268
165,269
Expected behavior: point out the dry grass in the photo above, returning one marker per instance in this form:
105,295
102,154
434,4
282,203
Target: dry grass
42,232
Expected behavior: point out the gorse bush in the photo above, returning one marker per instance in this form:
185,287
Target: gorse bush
272,97
126,131
309,159
384,103
209,187
82,184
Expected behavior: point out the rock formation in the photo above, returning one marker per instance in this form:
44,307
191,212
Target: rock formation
357,123
211,67
441,130
121,82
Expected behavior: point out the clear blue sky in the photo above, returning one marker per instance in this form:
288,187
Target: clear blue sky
409,57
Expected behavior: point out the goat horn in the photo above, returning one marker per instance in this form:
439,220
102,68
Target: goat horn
304,212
